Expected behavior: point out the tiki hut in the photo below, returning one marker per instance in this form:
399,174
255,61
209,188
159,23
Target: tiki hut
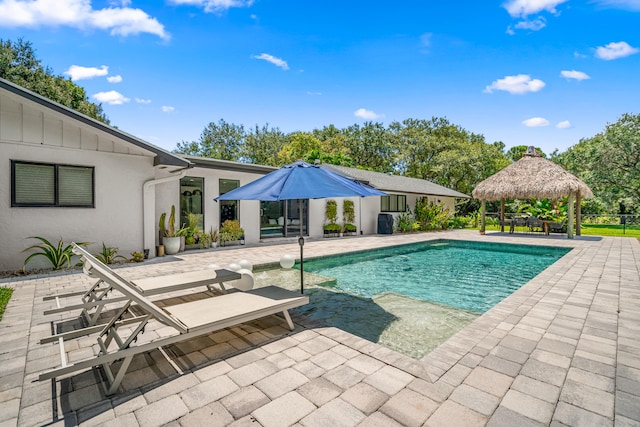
533,177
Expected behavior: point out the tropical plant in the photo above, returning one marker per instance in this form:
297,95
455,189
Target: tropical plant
193,231
171,229
331,212
58,255
137,256
230,231
404,222
546,210
109,254
204,241
214,235
431,216
348,216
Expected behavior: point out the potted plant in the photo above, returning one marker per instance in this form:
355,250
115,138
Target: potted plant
214,237
162,231
230,232
171,240
193,232
348,217
331,214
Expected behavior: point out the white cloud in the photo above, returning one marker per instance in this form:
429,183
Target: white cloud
214,5
122,21
272,59
615,50
522,83
314,93
143,101
425,39
112,97
114,79
535,122
524,8
573,74
631,5
566,124
77,72
167,108
534,25
367,114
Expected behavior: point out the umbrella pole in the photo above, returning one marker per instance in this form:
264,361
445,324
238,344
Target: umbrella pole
301,243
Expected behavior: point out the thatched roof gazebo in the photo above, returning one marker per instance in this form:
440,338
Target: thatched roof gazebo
533,177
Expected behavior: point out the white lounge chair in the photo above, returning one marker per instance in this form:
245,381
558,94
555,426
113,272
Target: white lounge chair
189,320
100,294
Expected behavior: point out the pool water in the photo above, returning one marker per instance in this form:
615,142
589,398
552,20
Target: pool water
412,298
468,275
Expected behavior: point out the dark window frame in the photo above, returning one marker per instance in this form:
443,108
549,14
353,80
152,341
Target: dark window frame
399,207
56,202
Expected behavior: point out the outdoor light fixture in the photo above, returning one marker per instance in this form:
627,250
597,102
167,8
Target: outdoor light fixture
287,261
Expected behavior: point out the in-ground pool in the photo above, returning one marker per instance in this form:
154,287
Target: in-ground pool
411,298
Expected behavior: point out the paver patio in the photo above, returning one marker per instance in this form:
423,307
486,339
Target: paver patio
562,350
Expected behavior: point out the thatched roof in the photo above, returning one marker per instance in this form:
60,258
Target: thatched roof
531,177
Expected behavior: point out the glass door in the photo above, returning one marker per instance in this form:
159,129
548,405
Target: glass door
282,219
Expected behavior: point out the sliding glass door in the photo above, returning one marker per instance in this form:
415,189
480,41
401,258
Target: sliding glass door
282,219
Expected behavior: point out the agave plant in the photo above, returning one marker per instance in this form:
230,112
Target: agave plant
109,254
58,255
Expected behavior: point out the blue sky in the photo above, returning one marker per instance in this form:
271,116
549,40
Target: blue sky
524,72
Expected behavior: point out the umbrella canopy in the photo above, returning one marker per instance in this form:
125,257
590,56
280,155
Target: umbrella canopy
531,177
300,180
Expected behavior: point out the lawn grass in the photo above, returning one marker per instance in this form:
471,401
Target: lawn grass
5,294
610,230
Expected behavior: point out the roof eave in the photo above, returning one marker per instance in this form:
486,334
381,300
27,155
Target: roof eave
162,157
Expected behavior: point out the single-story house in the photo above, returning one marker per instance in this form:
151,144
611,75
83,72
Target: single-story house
66,176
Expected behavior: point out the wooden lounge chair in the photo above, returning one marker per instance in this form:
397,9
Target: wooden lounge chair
118,337
558,227
100,294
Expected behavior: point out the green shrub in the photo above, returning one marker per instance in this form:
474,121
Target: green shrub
404,222
230,231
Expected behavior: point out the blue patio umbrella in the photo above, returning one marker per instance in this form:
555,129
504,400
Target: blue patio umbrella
300,180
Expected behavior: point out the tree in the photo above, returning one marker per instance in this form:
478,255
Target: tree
609,163
262,145
515,153
300,146
370,146
218,141
19,65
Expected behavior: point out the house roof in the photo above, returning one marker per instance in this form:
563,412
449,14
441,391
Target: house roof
396,183
162,157
227,165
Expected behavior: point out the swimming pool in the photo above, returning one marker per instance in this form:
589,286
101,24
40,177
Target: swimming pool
413,297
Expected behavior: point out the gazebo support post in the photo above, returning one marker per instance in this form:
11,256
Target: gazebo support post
570,225
578,214
502,215
483,208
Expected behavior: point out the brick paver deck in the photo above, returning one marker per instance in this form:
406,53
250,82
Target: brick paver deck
562,350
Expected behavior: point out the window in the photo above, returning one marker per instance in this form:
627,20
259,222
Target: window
228,208
191,193
393,203
50,185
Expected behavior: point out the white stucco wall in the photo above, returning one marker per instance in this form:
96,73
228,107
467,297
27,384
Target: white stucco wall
31,132
116,218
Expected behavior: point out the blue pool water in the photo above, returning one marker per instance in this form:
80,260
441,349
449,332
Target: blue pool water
472,276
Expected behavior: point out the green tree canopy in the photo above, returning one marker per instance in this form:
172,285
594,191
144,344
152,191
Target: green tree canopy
19,65
609,163
223,141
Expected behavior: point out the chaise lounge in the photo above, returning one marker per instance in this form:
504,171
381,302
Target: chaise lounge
117,339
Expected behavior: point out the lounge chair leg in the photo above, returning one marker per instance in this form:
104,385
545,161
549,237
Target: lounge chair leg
288,319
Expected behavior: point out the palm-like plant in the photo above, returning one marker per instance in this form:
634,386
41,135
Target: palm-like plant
58,255
109,254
